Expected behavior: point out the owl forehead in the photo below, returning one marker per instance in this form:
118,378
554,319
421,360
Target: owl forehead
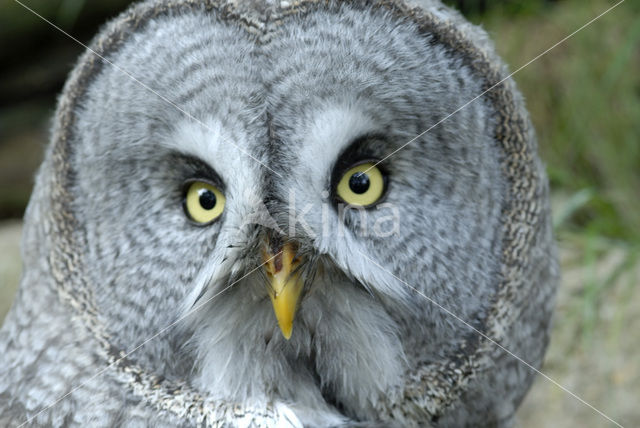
293,104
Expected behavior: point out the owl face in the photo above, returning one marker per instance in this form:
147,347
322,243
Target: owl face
254,176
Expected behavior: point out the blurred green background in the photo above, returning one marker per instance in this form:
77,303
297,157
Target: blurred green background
584,99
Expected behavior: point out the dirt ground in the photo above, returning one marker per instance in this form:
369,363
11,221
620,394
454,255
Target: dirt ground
595,346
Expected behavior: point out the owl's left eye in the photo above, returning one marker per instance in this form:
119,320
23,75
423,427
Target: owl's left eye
203,202
362,185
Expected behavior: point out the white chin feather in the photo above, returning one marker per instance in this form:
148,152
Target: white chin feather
343,344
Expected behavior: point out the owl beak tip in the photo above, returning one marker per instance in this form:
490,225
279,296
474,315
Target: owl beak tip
286,331
285,286
285,303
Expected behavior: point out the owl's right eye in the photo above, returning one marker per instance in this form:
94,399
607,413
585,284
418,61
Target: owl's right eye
203,202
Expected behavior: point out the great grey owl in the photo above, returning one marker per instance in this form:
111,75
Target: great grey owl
230,229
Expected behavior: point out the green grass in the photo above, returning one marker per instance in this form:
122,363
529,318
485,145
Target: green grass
584,99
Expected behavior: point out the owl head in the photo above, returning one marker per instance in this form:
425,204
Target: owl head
258,176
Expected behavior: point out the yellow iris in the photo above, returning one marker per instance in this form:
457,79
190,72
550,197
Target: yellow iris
361,185
204,202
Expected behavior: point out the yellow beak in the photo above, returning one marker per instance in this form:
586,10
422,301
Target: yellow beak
285,285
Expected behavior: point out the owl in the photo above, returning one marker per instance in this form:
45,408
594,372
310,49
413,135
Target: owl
283,214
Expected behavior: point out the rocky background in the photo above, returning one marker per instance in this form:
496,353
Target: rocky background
584,98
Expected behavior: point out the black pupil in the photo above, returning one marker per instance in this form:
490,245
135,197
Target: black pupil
207,199
359,183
